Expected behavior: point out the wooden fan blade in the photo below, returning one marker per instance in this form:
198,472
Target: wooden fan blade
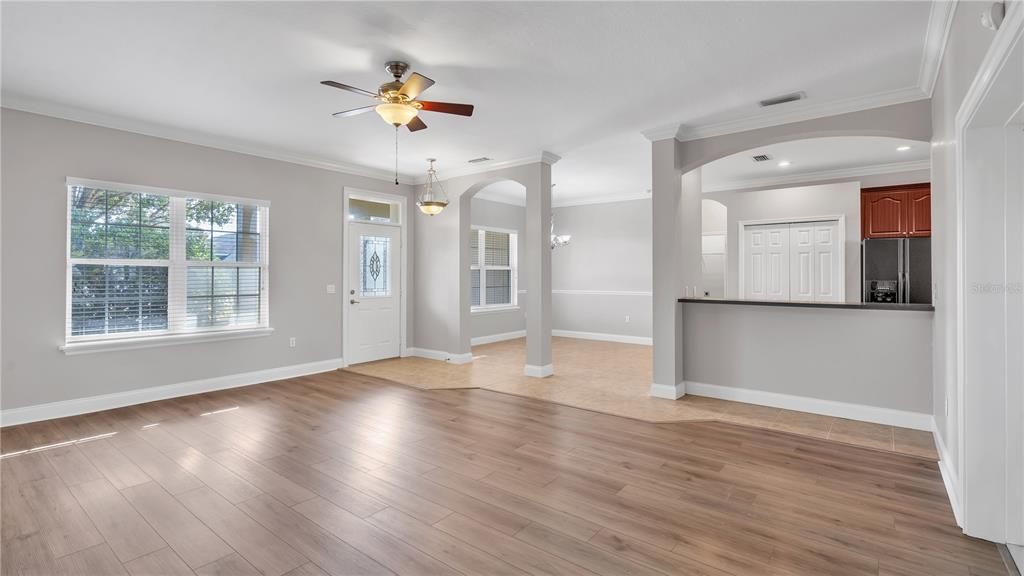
354,111
416,84
341,86
416,124
447,107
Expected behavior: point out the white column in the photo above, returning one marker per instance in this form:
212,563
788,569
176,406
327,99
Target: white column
668,256
538,264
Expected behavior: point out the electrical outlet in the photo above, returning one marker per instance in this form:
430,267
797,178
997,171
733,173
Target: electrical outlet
291,342
947,406
332,289
627,318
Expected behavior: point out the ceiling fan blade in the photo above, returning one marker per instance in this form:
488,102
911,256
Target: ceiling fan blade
341,86
416,84
416,124
353,112
447,107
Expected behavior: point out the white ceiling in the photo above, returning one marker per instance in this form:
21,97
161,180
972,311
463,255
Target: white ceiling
816,158
579,80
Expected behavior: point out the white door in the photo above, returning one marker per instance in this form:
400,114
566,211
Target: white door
754,254
766,262
801,265
827,275
373,299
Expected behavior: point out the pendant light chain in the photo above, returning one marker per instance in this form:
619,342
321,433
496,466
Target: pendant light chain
396,154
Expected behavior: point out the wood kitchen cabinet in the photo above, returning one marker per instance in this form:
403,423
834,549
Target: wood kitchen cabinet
896,211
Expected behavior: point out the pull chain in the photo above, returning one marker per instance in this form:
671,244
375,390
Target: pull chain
396,154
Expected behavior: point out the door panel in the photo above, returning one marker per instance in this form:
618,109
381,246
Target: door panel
920,212
373,299
802,262
827,262
884,214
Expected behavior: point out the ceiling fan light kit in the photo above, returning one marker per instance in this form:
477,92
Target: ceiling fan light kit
398,104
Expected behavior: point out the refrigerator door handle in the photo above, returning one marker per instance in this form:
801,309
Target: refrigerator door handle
899,270
906,272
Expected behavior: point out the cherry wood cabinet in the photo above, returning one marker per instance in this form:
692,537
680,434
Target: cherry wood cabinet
896,211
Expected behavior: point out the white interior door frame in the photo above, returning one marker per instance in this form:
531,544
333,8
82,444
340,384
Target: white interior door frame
743,224
989,323
404,218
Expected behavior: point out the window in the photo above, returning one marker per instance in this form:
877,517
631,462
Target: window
148,262
493,273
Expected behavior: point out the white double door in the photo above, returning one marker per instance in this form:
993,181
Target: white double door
793,261
373,298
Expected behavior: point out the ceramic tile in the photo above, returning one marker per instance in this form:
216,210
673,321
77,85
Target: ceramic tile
614,378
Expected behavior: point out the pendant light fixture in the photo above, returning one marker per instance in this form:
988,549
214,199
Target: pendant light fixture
558,240
433,199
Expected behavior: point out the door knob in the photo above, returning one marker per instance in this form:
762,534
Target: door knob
353,301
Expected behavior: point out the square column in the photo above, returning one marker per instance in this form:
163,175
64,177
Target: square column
538,262
667,276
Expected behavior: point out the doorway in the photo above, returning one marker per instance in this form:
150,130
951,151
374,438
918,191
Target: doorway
373,289
990,298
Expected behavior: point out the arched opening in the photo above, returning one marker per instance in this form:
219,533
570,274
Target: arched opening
805,198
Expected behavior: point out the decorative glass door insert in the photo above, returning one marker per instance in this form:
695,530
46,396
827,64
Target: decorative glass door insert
374,266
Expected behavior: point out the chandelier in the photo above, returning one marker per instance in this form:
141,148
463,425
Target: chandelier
430,202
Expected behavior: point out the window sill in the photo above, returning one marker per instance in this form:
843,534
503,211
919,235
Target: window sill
493,309
89,347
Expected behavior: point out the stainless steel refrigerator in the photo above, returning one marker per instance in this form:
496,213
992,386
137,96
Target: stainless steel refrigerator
897,270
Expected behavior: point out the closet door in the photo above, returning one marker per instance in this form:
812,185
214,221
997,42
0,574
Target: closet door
777,262
801,262
827,275
755,243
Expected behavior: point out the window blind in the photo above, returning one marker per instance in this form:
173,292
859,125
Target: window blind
492,268
145,262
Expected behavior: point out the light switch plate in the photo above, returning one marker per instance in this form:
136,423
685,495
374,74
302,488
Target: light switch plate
332,289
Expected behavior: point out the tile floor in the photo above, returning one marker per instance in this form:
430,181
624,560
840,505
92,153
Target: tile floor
614,378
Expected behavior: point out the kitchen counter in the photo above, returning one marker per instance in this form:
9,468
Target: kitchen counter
795,304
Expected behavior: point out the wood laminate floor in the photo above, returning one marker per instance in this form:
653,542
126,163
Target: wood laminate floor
343,474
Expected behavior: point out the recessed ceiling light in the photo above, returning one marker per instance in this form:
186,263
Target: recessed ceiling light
784,163
903,148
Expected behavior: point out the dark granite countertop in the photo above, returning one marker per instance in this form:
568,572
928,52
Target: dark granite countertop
838,305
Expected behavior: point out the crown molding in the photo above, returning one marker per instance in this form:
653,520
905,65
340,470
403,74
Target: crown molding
75,114
603,199
544,157
821,175
794,112
940,22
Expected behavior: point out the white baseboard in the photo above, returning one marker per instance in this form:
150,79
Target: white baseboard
949,476
440,355
1017,553
668,391
491,338
539,371
77,406
644,340
428,353
862,412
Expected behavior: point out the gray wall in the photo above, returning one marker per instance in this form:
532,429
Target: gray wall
967,44
798,202
39,152
604,274
871,357
488,213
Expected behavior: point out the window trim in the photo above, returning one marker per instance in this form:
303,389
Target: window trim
177,266
513,268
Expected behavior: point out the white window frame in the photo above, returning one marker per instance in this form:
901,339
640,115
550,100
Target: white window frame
513,267
177,275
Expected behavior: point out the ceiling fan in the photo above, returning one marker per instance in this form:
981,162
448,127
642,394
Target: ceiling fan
398,104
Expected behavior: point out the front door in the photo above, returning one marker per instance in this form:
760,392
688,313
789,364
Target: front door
373,298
